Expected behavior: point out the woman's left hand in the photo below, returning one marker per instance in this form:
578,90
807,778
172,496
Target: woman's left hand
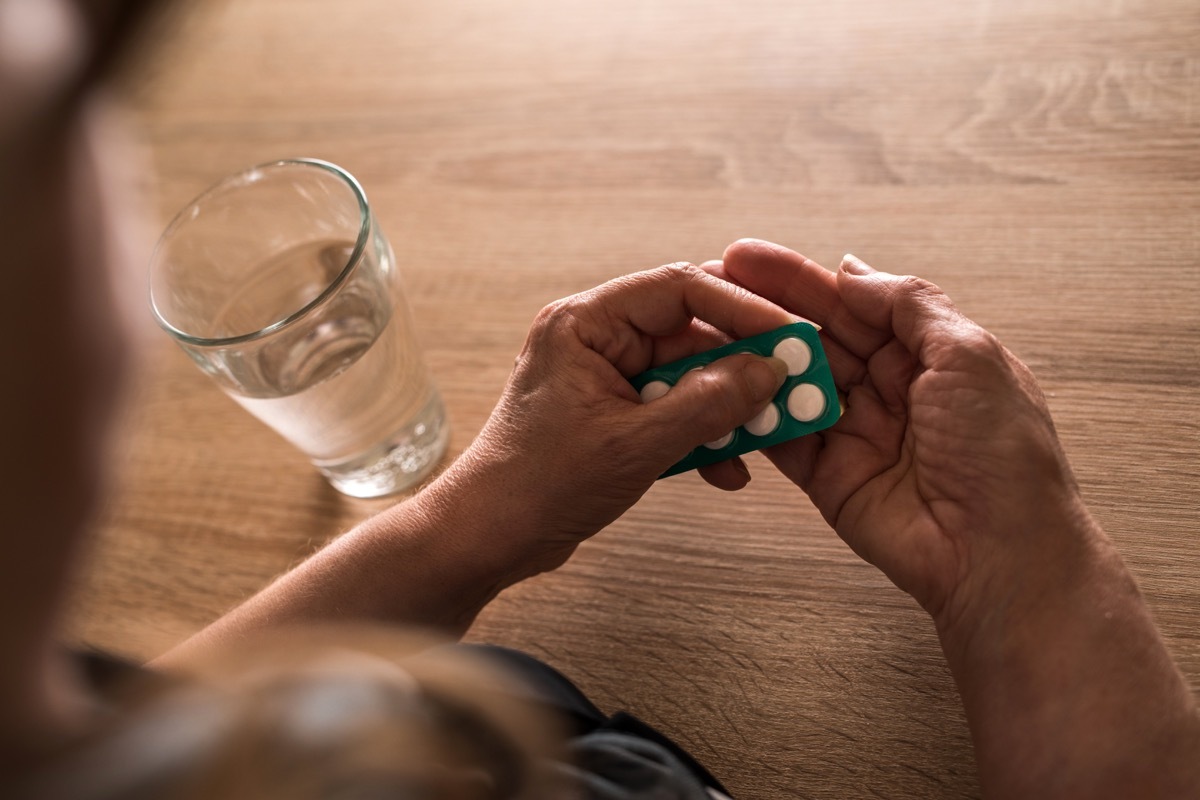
571,446
568,449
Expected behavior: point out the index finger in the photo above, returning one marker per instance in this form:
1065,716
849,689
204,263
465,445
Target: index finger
621,318
802,286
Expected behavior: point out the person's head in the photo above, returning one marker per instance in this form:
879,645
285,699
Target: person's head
62,234
297,718
312,714
62,344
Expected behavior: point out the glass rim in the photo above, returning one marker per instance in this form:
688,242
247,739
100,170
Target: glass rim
184,214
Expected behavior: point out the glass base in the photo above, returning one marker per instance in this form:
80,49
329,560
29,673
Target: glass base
400,463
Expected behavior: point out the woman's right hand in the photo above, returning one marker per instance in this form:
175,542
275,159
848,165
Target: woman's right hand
945,470
947,474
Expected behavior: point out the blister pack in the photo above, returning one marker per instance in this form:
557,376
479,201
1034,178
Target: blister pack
806,403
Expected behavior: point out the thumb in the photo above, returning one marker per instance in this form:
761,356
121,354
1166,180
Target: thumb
707,403
916,311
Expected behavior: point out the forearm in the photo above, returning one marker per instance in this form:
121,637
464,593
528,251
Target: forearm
432,561
1070,690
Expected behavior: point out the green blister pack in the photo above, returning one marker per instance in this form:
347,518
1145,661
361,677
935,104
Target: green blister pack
806,403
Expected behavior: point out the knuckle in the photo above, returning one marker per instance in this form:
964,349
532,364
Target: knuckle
986,351
552,323
679,272
921,290
556,316
975,349
980,342
550,312
715,409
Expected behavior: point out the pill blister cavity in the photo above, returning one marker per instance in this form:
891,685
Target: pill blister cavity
766,422
654,390
806,402
717,444
795,353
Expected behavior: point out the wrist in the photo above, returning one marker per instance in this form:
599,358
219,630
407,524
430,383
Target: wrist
477,506
1023,573
1068,687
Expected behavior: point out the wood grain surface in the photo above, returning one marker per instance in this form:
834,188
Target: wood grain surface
1039,159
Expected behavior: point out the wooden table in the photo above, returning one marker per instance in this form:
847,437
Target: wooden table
1040,160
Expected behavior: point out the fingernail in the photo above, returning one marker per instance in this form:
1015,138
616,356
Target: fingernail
740,466
764,376
855,266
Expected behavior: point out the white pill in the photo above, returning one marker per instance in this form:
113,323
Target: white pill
806,402
654,390
795,353
766,422
722,442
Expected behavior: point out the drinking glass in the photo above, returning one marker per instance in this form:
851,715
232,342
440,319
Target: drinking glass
280,285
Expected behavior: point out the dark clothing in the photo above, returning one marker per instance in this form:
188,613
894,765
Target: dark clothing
616,757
